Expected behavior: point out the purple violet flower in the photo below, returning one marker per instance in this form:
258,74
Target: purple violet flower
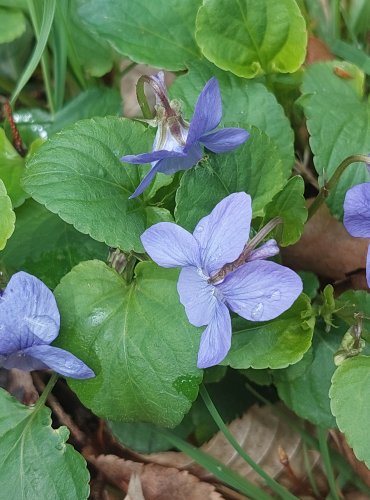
178,145
29,322
357,216
213,279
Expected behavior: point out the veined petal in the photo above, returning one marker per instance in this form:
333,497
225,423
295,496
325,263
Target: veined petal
22,361
265,251
368,267
357,210
145,182
159,79
169,245
208,112
189,158
60,361
28,314
216,339
261,290
225,139
223,233
153,156
197,296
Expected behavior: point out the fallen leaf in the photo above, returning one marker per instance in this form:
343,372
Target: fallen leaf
317,50
326,249
135,490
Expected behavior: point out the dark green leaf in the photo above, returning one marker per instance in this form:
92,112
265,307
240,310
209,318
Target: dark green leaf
135,337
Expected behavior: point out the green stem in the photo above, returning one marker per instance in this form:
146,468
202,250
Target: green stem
142,100
275,486
325,190
325,455
128,69
45,393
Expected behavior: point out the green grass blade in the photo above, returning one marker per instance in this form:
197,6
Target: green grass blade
217,468
47,21
274,485
325,455
59,47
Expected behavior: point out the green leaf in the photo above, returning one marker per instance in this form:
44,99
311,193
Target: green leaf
252,37
289,204
159,33
14,56
272,344
135,337
13,24
352,302
337,120
242,101
44,245
7,219
350,404
35,461
78,175
311,283
304,387
11,170
255,167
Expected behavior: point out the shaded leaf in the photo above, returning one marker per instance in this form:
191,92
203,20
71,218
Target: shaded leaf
13,24
7,219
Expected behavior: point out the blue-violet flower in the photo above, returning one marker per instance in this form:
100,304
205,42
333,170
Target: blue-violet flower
357,216
29,322
256,289
178,145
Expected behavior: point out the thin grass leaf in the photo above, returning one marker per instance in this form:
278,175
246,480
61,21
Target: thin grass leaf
325,455
42,38
215,467
59,47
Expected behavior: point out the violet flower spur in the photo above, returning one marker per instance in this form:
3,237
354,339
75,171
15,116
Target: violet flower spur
178,145
29,322
257,290
357,216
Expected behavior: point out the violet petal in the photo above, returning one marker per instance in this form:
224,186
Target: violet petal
216,339
224,140
223,233
357,210
188,159
368,267
265,251
208,112
169,245
145,182
28,314
152,156
261,290
197,296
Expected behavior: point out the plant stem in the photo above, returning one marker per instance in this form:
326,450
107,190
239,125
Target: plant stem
325,455
325,190
49,387
275,486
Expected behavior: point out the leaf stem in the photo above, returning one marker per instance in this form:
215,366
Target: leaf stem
49,387
275,486
326,188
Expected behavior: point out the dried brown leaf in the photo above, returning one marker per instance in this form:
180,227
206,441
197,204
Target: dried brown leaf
358,466
327,249
260,432
20,385
158,483
317,50
135,489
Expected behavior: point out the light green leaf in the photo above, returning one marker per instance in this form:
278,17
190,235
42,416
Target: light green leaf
350,404
135,337
255,167
78,175
337,120
44,245
35,461
13,24
304,387
289,204
11,170
160,33
7,218
252,37
242,101
272,344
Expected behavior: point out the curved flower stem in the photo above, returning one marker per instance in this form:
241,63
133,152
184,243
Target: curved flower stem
325,190
275,486
142,100
46,391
